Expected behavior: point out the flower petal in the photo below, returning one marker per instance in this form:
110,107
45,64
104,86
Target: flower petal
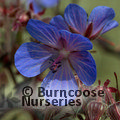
63,79
48,3
76,17
84,65
30,57
110,25
100,16
43,32
75,42
59,23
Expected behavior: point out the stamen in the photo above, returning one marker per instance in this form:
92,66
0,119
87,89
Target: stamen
93,51
56,64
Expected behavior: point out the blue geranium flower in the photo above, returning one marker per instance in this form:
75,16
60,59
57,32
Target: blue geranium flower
75,20
39,5
61,52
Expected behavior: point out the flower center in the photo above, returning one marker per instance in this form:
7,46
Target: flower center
64,53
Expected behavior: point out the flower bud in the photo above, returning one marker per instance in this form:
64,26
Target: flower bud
95,110
114,111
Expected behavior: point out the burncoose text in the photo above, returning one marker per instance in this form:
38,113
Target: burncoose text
57,97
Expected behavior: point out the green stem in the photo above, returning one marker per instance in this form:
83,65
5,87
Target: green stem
12,75
19,37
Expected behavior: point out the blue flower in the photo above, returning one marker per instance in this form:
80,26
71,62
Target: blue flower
75,20
39,5
61,52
